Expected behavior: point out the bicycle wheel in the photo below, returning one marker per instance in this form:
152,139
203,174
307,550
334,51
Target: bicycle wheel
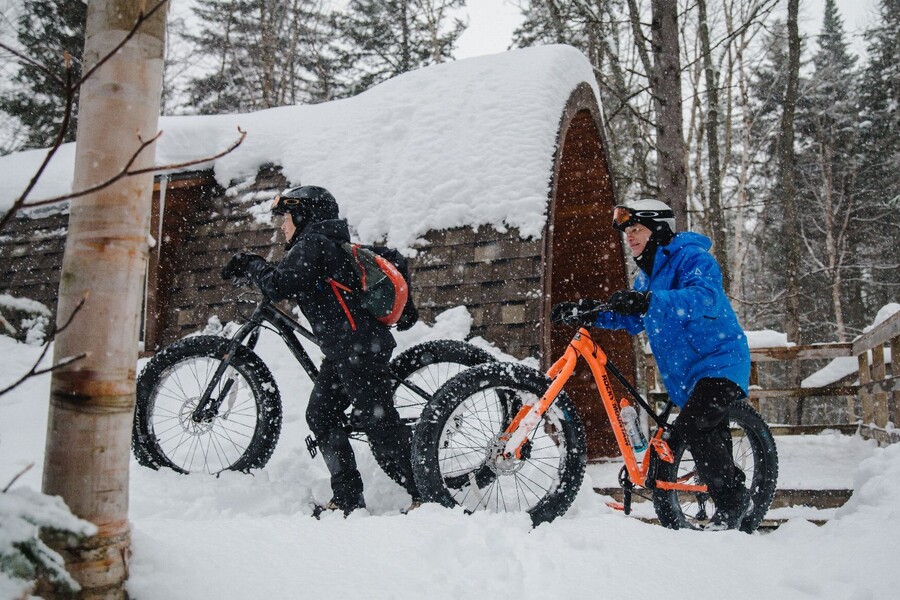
754,453
455,440
242,436
426,366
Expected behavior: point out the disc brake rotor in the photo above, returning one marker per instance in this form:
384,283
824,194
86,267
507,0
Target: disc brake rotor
185,417
502,465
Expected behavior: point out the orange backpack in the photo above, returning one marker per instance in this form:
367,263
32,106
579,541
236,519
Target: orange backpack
382,290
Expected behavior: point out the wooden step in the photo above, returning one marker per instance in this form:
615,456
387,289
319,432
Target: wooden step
812,429
820,499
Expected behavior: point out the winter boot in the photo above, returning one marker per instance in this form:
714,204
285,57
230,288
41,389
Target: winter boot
331,506
731,512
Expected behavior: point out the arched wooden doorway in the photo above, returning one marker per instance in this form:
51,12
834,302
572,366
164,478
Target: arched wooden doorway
583,255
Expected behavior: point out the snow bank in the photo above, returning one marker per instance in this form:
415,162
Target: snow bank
884,313
464,143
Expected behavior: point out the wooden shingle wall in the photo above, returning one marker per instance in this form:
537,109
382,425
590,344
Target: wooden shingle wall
31,251
497,275
211,225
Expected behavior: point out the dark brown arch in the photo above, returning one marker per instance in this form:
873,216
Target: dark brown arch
583,254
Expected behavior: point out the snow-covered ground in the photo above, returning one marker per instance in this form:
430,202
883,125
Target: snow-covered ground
251,537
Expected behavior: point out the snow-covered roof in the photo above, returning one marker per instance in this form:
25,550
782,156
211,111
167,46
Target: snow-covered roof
464,143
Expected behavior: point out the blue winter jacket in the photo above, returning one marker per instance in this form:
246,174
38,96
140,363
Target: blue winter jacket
692,328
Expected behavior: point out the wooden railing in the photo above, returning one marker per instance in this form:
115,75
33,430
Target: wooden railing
872,400
879,393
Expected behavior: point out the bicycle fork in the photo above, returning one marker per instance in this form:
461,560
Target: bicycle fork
208,404
516,435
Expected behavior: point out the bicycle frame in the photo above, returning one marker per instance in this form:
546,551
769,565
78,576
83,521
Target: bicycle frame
583,345
247,335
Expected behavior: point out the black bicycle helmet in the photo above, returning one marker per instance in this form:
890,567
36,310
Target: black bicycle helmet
306,204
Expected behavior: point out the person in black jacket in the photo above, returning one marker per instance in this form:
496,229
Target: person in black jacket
315,272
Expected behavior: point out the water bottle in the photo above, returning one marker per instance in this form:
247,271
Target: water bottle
633,428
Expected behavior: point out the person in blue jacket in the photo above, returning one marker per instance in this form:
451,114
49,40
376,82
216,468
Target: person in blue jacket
700,349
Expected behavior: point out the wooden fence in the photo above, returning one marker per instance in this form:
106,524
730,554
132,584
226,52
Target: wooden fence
871,399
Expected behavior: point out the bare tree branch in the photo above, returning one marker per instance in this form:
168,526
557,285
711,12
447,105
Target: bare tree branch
34,371
14,479
67,115
128,172
26,59
71,87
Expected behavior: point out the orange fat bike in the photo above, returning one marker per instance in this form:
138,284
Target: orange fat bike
505,437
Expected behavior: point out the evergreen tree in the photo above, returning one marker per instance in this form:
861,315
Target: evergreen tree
385,38
552,22
879,177
259,54
46,30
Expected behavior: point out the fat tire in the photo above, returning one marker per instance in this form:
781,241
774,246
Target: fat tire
670,504
430,365
267,400
421,358
513,379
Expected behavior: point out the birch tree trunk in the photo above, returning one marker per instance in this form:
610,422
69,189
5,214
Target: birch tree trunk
92,400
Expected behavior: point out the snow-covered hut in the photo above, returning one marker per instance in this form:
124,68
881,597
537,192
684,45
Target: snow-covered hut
491,173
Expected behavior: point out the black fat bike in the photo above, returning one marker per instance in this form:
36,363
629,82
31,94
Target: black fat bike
207,403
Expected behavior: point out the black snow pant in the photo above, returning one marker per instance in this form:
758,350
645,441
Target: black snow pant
703,423
364,382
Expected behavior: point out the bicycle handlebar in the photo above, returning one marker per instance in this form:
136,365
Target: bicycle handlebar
605,307
590,312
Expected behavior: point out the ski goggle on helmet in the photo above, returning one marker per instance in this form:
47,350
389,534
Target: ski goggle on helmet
282,206
649,213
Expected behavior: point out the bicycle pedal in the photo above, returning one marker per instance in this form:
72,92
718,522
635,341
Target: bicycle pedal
312,446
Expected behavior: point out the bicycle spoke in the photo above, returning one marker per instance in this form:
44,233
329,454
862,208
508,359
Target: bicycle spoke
469,433
207,446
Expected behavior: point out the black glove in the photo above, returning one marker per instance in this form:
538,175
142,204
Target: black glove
237,264
575,313
629,302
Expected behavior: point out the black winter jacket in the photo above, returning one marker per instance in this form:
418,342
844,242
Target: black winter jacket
312,273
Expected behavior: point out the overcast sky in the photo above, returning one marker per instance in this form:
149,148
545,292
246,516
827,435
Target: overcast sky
491,23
